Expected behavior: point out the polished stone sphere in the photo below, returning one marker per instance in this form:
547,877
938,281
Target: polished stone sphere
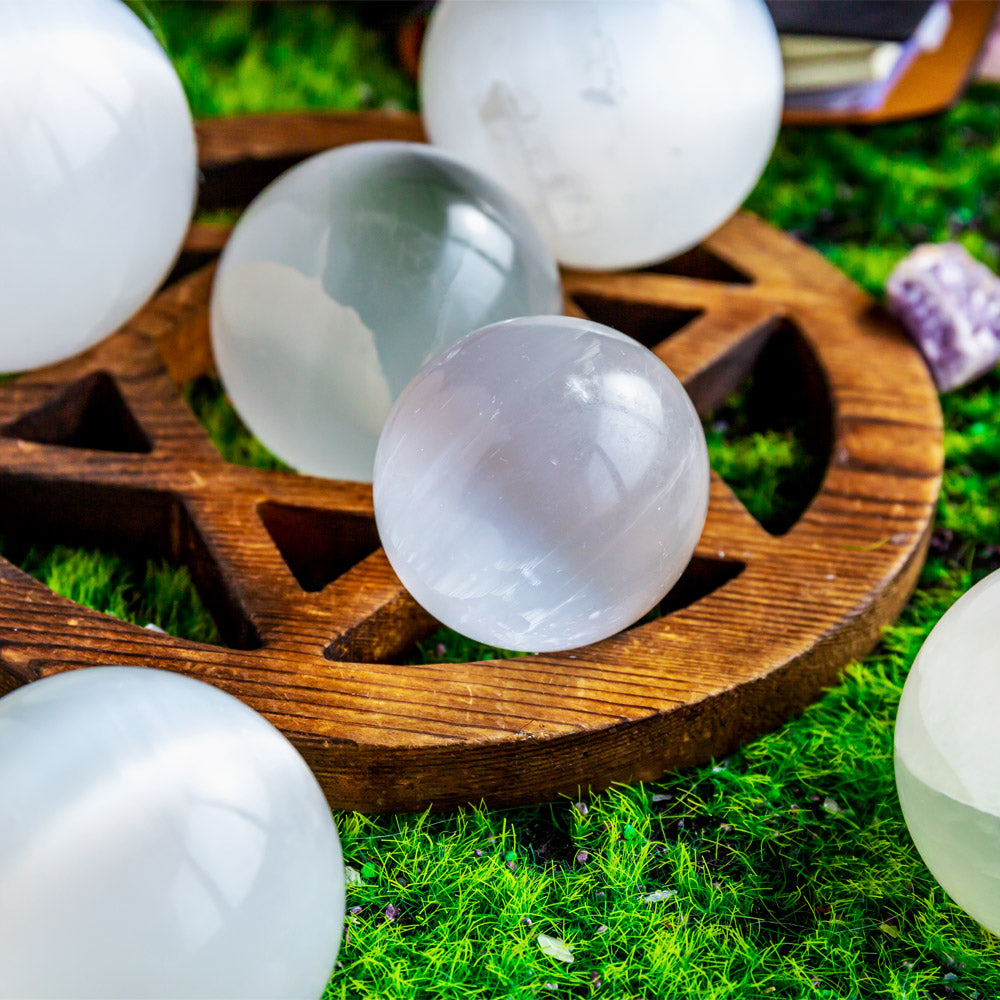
348,274
159,839
542,484
97,174
629,130
947,750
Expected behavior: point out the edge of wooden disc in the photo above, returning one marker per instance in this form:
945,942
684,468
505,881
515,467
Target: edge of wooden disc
385,736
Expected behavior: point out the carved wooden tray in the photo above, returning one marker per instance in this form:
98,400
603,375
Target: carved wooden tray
103,450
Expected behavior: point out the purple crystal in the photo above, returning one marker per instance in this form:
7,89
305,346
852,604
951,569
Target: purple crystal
950,304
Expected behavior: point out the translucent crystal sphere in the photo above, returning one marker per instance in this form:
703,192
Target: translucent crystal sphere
629,130
542,484
97,174
947,749
350,272
159,839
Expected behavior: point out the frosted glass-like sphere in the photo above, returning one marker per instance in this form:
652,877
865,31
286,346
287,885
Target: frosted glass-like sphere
542,484
159,839
97,174
630,130
948,749
349,273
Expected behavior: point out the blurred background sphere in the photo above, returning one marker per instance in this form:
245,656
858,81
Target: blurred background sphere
947,747
629,130
159,839
97,174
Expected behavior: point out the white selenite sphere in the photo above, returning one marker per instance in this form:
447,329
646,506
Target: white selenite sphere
350,272
630,130
542,484
97,174
947,752
158,838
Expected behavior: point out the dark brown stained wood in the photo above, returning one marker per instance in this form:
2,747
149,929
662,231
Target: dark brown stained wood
245,154
314,617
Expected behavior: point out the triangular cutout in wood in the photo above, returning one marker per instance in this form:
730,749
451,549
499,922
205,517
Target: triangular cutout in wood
318,545
647,322
90,413
771,439
704,265
700,578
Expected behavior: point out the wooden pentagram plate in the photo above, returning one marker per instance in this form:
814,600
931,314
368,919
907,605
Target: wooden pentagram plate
103,450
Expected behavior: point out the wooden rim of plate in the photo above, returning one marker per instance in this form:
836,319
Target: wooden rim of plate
103,450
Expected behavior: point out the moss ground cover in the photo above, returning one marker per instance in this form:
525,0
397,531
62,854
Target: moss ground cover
783,871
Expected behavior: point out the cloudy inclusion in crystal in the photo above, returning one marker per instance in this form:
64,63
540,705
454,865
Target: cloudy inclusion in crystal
947,748
350,272
628,130
542,484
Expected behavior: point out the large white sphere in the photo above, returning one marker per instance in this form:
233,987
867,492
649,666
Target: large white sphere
542,484
350,272
159,839
97,174
629,128
948,749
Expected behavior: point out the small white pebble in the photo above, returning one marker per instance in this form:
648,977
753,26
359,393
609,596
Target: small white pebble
659,896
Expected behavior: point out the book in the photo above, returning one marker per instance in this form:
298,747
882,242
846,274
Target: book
932,82
876,20
813,63
847,72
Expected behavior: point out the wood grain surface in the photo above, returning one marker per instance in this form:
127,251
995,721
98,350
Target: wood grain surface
103,450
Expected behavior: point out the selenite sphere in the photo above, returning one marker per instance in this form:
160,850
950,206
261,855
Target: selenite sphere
349,273
948,749
629,130
159,839
97,174
542,484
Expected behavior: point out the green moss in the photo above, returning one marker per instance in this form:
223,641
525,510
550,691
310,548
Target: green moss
225,428
444,645
134,590
219,216
865,196
784,870
244,58
772,470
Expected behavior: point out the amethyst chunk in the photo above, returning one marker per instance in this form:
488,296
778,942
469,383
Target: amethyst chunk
950,304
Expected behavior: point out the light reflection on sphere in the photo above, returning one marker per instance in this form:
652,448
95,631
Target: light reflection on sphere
350,272
159,839
947,746
630,129
542,484
97,174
